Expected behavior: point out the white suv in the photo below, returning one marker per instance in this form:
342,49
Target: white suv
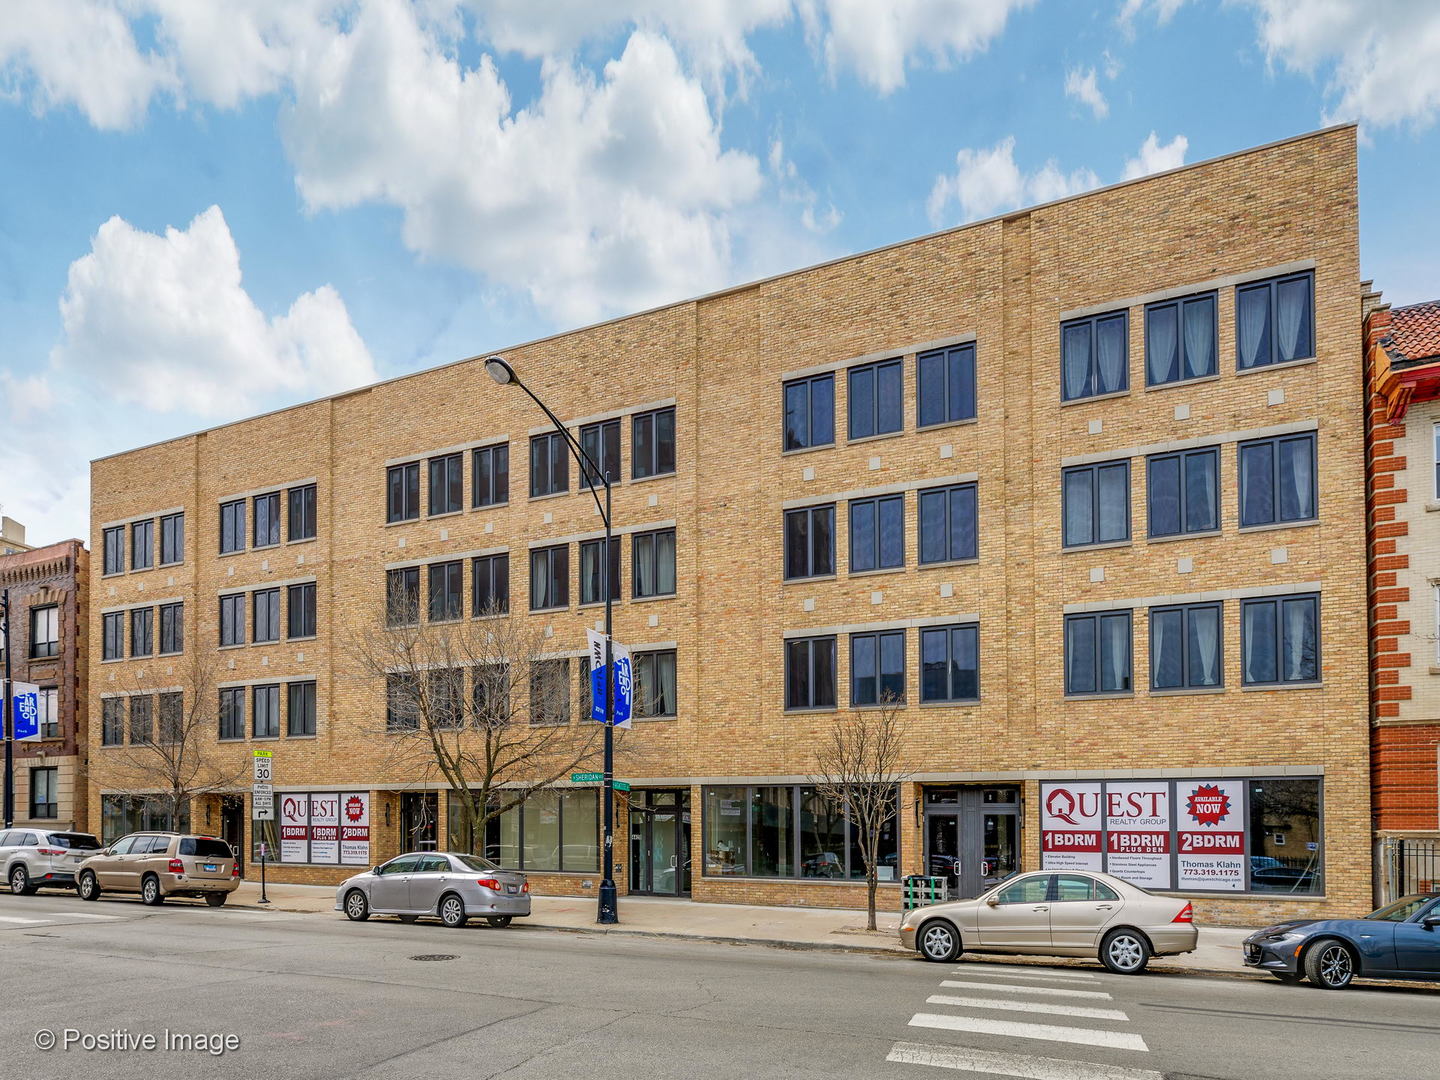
35,859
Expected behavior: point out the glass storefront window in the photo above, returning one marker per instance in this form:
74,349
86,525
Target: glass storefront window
822,837
580,820
1286,845
541,831
556,830
725,831
778,832
888,855
772,831
268,833
121,814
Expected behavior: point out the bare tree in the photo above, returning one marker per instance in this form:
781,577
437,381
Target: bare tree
858,774
166,754
482,704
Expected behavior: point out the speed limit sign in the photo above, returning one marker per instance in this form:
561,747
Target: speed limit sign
262,766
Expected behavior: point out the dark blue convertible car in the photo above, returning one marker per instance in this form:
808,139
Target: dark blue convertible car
1398,941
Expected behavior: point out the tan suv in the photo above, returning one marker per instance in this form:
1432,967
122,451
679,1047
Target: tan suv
161,865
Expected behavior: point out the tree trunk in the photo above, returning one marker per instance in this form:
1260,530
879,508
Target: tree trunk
870,889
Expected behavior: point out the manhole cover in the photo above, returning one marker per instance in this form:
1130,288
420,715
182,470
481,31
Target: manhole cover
435,956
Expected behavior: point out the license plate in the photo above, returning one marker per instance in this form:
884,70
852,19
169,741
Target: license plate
211,867
512,888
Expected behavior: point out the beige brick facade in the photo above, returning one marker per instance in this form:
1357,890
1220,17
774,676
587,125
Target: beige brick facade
721,360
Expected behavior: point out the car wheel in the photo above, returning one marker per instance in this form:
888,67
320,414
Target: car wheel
1125,952
498,920
150,891
20,882
452,911
939,941
215,899
89,886
1330,965
357,908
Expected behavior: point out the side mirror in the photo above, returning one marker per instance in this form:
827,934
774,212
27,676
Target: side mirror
1430,922
992,901
375,870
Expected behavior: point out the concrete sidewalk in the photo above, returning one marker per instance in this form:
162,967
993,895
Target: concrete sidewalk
805,928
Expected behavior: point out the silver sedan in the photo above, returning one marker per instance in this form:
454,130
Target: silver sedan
453,886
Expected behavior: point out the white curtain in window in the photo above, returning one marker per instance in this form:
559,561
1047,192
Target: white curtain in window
1204,632
665,686
1254,314
1200,478
1291,301
1110,345
1117,652
1301,478
665,563
1076,350
1163,361
1158,639
1299,642
1199,338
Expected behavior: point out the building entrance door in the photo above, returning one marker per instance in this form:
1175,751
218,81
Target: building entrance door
232,827
660,843
418,817
972,836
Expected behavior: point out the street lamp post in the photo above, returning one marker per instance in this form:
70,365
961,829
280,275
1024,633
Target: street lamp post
500,370
7,717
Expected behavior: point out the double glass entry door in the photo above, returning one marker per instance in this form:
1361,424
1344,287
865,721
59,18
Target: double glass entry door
660,843
972,837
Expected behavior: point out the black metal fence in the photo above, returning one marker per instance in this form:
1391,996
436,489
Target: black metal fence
1408,865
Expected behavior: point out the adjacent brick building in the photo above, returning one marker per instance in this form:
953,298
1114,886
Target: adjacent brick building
48,589
1083,484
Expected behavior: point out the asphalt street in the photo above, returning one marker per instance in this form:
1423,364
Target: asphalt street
306,995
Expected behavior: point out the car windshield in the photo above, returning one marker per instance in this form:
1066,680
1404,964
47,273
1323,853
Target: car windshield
474,862
78,841
1400,911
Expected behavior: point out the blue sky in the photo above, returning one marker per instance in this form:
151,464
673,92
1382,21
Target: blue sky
208,210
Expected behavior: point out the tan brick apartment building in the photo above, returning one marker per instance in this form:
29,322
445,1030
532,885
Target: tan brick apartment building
1167,661
49,608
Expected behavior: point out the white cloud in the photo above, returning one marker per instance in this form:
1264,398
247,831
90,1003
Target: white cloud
165,323
1081,86
988,182
1153,157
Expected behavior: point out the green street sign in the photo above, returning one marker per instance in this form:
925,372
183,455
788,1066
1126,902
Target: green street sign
620,785
586,777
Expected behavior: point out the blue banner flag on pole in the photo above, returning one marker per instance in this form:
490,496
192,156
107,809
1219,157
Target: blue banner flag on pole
25,701
624,679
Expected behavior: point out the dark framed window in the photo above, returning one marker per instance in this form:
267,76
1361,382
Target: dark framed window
652,443
49,712
654,683
142,631
232,526
300,708
810,412
447,591
172,539
142,720
1094,355
1097,653
490,585
948,530
44,632
402,596
447,698
877,668
265,615
112,721
1186,647
653,563
1277,480
549,464
232,619
810,542
877,533
550,691
113,540
44,792
266,520
1096,503
447,484
300,610
592,571
1180,340
550,577
401,713
1280,640
1275,321
402,492
491,697
945,385
875,392
172,717
301,522
810,673
950,663
265,711
1183,491
1286,837
601,444
113,632
490,475
172,628
142,545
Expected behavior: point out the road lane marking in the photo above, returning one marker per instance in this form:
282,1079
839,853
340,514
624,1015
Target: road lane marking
1117,1040
1027,1006
1027,1066
1011,974
78,915
1029,972
17,919
1052,991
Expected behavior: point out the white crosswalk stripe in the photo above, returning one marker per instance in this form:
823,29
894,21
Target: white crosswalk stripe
1028,1066
1015,1029
1010,973
1004,1005
1029,972
78,915
1049,991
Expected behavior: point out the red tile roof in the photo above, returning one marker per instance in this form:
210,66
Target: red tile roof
1415,330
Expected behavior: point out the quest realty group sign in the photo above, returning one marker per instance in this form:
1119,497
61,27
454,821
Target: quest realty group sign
1158,834
325,827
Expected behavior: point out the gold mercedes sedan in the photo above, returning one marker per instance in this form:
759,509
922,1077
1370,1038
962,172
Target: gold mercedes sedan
1050,913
